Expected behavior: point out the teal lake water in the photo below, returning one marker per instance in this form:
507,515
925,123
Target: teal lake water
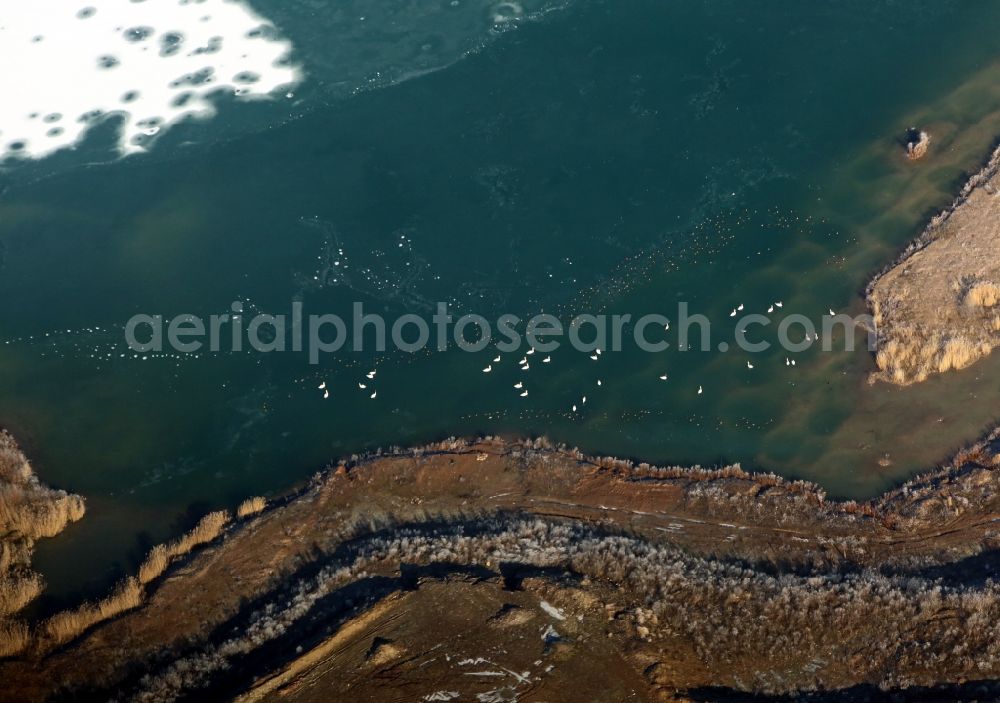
581,157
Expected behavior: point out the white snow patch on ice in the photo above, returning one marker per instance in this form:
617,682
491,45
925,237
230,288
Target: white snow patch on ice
65,65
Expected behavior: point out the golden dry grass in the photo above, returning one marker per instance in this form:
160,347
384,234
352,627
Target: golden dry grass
155,564
911,358
11,554
17,591
207,529
14,638
251,506
959,353
28,509
14,466
940,300
69,624
983,295
160,556
36,512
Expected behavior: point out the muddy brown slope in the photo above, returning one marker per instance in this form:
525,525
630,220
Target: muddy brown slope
551,574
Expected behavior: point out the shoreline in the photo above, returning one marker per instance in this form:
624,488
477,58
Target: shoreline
936,305
989,167
484,493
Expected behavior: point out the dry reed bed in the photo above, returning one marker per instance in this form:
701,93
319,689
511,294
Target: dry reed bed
68,625
63,627
207,529
14,637
17,591
913,355
984,294
251,507
29,511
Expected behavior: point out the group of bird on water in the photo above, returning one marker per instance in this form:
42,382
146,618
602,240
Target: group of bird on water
525,363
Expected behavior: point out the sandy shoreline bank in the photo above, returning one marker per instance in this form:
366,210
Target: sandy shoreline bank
937,307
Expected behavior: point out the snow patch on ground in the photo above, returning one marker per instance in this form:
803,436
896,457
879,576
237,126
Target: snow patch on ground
552,610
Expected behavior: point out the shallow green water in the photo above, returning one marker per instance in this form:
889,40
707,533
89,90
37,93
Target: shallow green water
593,157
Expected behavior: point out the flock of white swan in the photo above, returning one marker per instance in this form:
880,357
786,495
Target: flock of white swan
525,363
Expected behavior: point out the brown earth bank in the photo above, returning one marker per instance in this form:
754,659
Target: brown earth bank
938,307
506,570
